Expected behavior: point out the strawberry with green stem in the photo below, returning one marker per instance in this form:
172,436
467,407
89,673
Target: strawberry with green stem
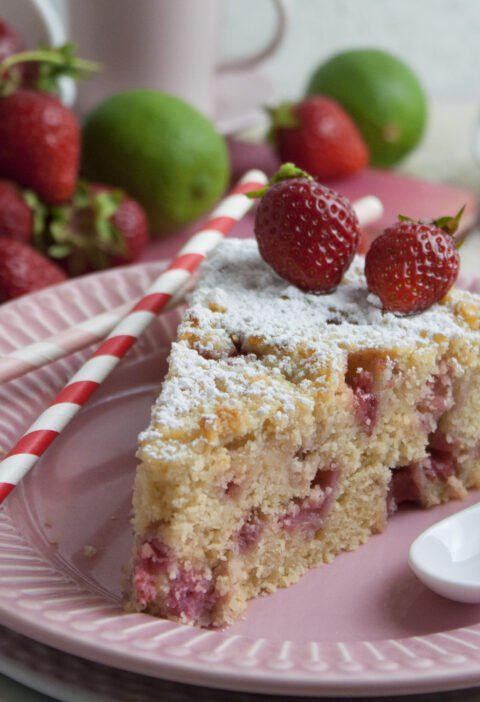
39,136
306,232
51,65
99,228
413,264
319,137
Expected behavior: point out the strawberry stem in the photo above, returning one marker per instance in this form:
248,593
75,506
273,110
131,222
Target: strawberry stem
54,63
285,172
290,170
448,224
82,234
281,117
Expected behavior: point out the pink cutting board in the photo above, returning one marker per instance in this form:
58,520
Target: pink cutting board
399,194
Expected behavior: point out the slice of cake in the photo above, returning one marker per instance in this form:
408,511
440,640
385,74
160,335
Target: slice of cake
290,425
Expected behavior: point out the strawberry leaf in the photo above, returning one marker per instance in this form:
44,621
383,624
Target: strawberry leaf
285,172
290,170
54,63
82,234
59,251
448,224
283,115
40,211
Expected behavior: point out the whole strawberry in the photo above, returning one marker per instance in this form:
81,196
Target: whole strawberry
99,228
39,144
24,270
306,232
320,137
16,216
130,221
413,264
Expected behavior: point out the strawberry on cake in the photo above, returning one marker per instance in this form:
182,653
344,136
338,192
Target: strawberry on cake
291,423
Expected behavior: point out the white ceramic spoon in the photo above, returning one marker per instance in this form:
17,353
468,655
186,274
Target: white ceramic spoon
446,557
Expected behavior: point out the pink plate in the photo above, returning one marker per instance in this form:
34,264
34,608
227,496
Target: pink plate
363,625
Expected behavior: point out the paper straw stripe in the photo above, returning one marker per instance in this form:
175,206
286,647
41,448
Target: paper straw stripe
243,188
96,325
77,392
54,418
233,208
93,370
11,465
42,350
170,281
5,490
150,303
51,422
128,326
205,239
40,353
116,346
188,261
220,224
35,442
13,367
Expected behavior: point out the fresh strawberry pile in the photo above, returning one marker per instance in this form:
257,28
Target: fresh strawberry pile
309,234
52,224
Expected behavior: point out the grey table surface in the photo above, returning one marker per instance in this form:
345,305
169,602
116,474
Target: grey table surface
132,688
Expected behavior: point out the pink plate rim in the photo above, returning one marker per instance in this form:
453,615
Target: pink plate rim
87,625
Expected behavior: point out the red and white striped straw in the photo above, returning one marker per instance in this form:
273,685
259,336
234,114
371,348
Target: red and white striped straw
93,330
22,457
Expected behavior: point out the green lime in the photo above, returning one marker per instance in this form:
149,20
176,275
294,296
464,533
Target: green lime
161,151
383,96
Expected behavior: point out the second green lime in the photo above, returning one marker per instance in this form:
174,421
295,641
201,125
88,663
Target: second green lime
161,151
383,96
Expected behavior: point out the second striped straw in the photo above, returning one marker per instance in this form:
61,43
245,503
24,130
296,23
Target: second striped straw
93,330
23,456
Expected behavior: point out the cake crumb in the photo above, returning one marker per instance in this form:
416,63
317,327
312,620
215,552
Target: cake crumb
89,551
48,523
469,313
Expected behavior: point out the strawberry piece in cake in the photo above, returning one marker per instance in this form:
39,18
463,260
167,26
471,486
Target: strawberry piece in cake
289,426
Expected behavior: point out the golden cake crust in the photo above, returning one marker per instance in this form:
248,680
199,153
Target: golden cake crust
281,421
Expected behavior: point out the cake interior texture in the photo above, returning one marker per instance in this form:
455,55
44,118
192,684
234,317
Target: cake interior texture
289,427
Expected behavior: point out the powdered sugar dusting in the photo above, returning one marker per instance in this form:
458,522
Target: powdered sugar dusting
239,386
240,298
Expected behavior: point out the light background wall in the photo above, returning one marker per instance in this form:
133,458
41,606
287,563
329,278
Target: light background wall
440,39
